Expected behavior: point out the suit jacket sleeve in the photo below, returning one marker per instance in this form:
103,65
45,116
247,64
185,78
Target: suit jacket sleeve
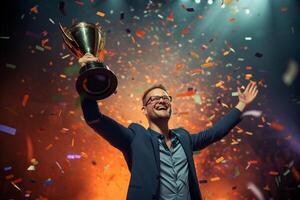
216,132
115,133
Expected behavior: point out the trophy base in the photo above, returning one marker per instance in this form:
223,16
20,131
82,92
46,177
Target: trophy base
96,81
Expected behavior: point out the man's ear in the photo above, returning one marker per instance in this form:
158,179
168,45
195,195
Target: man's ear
144,110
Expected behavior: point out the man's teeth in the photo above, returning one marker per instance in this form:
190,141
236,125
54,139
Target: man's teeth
161,108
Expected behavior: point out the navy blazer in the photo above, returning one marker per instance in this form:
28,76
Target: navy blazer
141,151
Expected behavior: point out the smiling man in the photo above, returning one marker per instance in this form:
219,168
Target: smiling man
160,159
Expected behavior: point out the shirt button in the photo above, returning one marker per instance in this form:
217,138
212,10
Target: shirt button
153,196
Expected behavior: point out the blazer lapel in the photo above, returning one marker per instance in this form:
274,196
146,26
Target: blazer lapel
185,145
155,146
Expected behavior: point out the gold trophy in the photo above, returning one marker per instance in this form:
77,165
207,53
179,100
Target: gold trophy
95,80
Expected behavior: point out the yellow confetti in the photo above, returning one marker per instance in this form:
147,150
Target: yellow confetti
220,159
215,179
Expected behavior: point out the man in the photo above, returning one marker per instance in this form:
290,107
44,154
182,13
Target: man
161,159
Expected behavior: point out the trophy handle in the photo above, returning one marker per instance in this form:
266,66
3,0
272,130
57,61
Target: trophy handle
70,41
65,34
100,37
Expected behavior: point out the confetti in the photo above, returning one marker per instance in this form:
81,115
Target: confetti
7,129
5,37
253,113
220,159
25,100
39,48
259,55
51,20
11,66
100,14
8,168
190,9
291,73
73,156
254,189
215,179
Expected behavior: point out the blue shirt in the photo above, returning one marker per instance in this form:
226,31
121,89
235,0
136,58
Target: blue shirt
174,183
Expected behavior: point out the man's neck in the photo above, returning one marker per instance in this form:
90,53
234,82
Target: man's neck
160,127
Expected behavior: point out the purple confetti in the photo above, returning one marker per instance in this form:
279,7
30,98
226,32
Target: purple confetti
7,129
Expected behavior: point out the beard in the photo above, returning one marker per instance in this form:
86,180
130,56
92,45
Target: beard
162,114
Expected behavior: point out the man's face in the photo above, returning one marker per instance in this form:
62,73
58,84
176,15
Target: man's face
157,108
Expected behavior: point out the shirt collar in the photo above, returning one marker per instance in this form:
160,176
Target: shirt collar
161,136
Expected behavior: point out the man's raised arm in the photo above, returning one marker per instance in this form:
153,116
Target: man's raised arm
222,127
115,133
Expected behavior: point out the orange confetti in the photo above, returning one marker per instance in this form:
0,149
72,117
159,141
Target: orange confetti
100,14
227,2
273,173
140,33
25,100
220,159
179,66
206,65
34,9
215,179
277,126
186,94
225,53
49,146
196,71
248,76
194,54
252,162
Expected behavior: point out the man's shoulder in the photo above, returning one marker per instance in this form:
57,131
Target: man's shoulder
136,127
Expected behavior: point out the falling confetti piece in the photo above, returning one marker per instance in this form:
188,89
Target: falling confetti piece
39,48
254,189
190,9
140,33
253,113
10,66
51,20
277,126
207,65
291,73
34,9
220,159
215,179
73,156
25,100
7,129
100,14
5,37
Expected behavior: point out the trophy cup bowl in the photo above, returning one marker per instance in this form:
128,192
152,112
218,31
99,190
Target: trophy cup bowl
95,80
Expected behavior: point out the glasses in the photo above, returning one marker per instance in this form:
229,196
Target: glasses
155,99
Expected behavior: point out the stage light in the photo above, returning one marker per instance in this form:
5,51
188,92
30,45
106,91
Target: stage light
210,2
197,1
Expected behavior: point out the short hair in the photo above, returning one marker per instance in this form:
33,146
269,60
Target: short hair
160,86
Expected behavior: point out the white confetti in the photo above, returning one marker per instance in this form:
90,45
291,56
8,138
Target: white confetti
253,113
254,189
291,73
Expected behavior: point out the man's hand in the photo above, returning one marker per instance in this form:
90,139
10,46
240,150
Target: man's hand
247,96
86,59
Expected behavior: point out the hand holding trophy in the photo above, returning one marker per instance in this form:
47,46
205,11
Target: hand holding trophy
96,80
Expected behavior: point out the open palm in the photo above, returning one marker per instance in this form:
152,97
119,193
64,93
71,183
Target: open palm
249,93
